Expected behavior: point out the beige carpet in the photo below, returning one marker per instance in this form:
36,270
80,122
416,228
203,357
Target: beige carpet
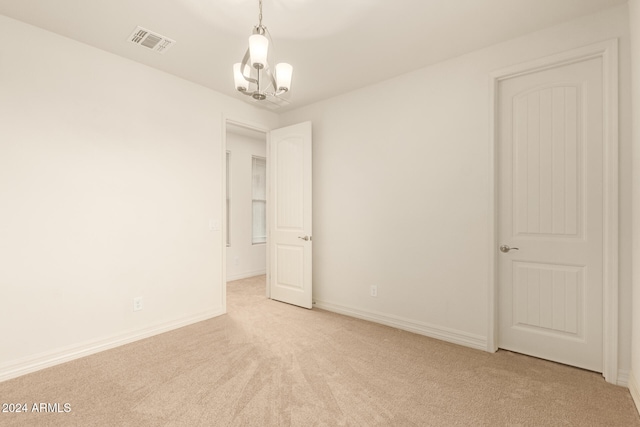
271,364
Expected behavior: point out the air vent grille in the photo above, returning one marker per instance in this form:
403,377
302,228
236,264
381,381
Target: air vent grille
150,40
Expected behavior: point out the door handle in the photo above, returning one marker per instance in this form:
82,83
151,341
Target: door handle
506,248
305,238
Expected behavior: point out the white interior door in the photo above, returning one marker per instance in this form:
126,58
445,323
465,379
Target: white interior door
289,211
550,126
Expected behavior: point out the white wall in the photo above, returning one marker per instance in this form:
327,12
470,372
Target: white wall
243,258
402,184
634,21
109,174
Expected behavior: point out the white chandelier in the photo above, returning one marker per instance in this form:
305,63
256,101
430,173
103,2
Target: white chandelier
253,75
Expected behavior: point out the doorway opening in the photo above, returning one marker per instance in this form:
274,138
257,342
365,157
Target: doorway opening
245,195
283,233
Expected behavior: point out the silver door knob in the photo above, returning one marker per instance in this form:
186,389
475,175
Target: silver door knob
305,238
506,248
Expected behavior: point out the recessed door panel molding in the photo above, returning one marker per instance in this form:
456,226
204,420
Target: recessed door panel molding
290,183
548,135
549,298
290,265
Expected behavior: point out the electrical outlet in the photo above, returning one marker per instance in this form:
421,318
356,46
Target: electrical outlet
137,304
374,291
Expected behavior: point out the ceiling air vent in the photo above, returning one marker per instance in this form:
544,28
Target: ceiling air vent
151,40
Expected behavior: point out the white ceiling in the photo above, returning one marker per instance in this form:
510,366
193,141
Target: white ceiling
335,46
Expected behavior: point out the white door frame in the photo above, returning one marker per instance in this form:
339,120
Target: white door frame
608,51
223,167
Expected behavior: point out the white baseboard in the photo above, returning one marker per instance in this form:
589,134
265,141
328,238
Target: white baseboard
66,354
238,276
634,388
623,378
444,334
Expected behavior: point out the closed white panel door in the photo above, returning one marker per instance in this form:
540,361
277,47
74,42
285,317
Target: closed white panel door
289,210
550,208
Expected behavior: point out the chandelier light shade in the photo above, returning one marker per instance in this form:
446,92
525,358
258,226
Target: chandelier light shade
258,50
241,84
284,72
254,76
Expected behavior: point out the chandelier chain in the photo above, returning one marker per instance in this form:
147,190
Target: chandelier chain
260,14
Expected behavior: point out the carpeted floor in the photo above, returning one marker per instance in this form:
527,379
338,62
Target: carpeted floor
271,364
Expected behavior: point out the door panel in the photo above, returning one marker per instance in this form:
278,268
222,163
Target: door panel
549,298
550,209
548,155
290,244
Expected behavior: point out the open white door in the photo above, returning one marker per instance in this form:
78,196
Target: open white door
289,213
